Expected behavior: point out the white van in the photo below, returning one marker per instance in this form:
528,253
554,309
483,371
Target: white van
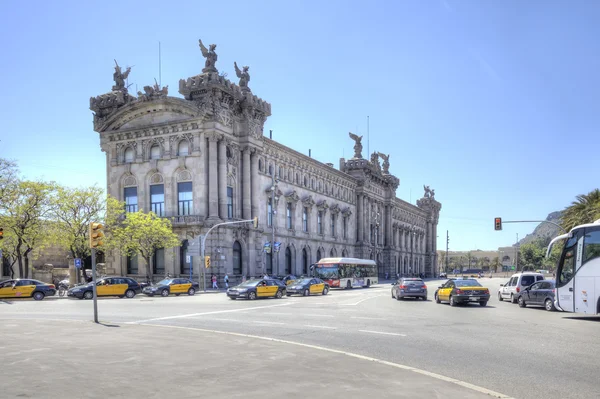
517,282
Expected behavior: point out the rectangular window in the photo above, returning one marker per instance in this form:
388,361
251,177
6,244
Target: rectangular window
305,219
158,261
157,199
269,213
131,200
230,202
332,225
288,215
320,222
132,264
185,204
345,226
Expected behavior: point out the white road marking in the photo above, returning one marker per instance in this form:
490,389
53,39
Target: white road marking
367,318
382,332
350,354
326,327
316,315
225,320
361,301
281,314
268,322
206,313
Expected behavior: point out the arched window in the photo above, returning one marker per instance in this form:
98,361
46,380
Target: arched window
297,178
288,261
305,181
183,148
155,151
280,173
320,185
331,255
132,264
312,184
184,260
271,170
318,255
304,262
344,253
260,165
237,258
129,155
290,175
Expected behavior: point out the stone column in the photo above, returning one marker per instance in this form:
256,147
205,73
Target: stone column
213,174
366,216
222,179
204,176
389,239
246,185
359,217
255,196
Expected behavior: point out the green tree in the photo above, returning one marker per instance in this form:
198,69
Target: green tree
137,232
24,215
496,263
531,255
585,209
73,209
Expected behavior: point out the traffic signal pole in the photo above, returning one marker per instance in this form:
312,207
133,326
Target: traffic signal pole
202,246
94,285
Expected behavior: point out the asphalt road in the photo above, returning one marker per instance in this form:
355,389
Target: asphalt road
522,353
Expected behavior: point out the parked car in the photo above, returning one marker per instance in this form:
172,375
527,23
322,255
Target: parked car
538,294
515,285
409,288
26,288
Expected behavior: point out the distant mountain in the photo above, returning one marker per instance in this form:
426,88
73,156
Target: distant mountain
544,231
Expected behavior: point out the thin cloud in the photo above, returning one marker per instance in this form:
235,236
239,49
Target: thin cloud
485,65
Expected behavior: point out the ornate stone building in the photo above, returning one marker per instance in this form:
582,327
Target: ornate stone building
203,159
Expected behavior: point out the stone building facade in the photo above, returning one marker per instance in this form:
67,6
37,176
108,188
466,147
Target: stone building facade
203,159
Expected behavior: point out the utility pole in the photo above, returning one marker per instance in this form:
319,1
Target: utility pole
517,254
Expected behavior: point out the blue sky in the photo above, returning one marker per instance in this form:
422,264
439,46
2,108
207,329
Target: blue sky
494,104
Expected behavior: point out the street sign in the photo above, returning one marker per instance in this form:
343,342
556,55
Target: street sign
193,247
77,263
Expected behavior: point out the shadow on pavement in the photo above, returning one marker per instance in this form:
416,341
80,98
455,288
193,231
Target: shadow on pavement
583,318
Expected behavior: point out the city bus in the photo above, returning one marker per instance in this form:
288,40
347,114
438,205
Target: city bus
578,270
346,272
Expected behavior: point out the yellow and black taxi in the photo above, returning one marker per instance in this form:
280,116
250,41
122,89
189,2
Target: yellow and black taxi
308,286
168,286
459,291
258,288
108,286
26,288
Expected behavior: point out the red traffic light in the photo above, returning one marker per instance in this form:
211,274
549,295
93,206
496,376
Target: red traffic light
497,223
1,233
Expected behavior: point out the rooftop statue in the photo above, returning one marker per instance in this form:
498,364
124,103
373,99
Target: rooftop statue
357,145
386,162
120,77
243,75
210,55
429,193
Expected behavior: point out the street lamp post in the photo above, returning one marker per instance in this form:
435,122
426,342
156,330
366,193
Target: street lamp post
274,200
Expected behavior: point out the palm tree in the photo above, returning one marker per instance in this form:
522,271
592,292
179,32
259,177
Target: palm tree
585,209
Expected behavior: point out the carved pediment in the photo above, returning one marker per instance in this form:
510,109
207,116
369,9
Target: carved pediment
292,196
322,206
308,202
335,209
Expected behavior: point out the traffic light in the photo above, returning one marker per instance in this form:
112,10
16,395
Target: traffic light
207,261
1,233
255,222
497,223
96,235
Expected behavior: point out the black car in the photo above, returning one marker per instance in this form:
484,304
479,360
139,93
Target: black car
538,294
409,287
109,286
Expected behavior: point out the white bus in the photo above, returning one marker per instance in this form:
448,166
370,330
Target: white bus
346,272
578,271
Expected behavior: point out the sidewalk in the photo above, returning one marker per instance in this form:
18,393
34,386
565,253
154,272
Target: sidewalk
125,361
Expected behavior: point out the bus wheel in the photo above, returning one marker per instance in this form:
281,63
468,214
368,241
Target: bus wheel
348,285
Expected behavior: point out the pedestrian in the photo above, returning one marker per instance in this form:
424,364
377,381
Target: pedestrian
244,279
387,276
226,279
214,282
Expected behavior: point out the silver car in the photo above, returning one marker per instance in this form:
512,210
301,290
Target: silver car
409,287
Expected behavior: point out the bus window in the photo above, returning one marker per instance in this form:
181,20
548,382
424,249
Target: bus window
566,267
591,245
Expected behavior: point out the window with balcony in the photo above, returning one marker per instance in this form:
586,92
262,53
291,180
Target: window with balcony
185,198
157,199
230,202
131,199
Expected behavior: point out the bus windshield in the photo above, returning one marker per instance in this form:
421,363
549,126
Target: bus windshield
328,272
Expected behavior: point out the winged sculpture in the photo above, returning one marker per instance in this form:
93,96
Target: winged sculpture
210,55
243,75
386,162
357,145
